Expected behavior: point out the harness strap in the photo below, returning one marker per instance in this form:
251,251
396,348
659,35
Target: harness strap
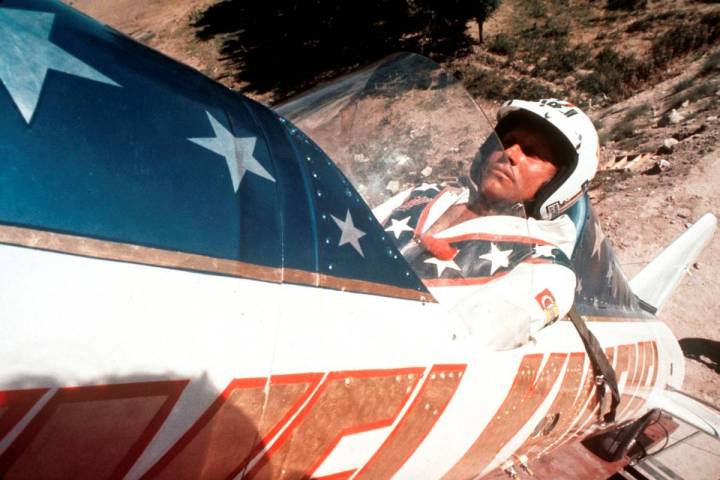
605,377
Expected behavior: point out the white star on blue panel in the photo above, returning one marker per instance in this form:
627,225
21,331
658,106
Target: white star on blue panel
26,55
349,233
237,151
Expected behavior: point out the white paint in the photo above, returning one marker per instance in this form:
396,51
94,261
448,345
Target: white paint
352,452
80,321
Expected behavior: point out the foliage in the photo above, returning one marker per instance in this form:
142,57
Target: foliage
626,4
485,83
495,85
712,64
636,112
284,46
623,130
696,93
614,74
502,44
684,39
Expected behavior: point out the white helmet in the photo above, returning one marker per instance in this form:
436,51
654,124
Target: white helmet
581,142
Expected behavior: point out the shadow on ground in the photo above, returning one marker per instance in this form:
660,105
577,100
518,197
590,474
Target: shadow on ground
283,47
702,350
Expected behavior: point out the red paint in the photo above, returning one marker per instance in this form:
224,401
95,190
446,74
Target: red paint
326,418
530,388
399,446
173,463
91,432
16,403
337,476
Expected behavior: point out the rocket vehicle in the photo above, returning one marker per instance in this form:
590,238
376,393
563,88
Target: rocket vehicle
193,285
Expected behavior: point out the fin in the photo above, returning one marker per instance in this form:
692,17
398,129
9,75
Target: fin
658,279
690,410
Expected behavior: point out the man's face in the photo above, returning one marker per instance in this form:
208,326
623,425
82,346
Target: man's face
529,165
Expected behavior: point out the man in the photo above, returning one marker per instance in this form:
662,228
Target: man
507,222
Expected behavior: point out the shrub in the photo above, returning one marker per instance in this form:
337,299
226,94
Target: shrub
530,90
622,131
535,8
682,85
684,39
626,4
485,83
701,91
640,25
502,44
556,27
614,74
636,112
711,65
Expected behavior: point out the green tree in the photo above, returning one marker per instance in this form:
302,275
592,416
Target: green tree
286,46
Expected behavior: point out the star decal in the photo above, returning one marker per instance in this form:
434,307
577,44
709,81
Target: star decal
427,186
544,250
498,258
27,54
610,272
599,238
237,151
349,233
399,226
442,265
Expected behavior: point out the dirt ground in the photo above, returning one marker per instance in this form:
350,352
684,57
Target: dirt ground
642,208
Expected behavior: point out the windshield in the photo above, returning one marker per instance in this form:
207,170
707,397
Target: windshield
404,122
426,159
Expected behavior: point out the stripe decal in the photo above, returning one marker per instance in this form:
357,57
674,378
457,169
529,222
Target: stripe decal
129,253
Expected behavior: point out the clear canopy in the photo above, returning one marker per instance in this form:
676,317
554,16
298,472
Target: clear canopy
401,122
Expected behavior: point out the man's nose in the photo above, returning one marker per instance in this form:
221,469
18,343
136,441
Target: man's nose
514,153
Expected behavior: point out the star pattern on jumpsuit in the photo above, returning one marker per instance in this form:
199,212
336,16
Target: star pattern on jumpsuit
497,258
399,226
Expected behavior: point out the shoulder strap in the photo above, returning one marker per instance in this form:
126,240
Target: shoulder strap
605,377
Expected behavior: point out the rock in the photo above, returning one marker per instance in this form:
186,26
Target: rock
393,186
670,142
667,145
360,158
402,159
683,213
664,165
685,103
696,266
675,117
712,118
425,172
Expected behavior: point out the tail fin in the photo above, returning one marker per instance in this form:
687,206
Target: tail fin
690,410
658,279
